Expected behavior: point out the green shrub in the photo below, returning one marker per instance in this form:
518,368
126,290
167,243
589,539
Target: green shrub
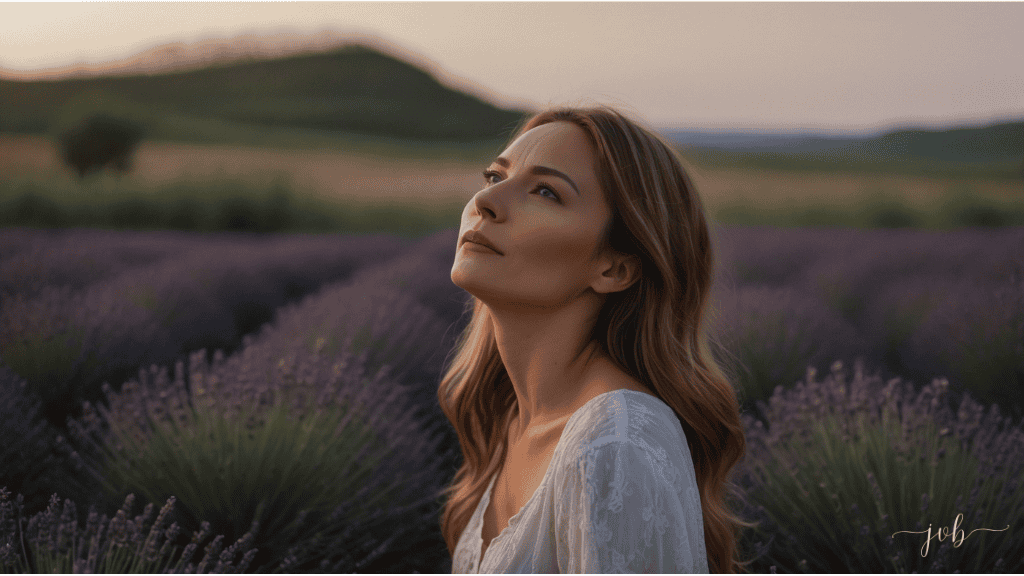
225,205
887,210
101,141
97,129
962,206
31,207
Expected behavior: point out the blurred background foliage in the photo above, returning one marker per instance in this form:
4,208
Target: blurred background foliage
356,102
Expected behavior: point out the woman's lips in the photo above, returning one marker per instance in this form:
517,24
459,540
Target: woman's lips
478,248
478,238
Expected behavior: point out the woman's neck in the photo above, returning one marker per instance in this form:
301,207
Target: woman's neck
548,357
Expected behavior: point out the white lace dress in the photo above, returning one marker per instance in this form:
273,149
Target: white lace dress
620,495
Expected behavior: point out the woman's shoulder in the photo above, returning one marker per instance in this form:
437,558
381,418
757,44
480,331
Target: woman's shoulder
624,428
622,414
607,378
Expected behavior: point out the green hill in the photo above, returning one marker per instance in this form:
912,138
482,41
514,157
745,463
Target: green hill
995,151
995,143
354,90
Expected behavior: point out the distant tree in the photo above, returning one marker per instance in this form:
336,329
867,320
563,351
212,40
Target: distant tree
101,140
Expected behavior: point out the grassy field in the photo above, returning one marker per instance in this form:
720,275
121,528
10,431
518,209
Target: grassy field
407,177
367,170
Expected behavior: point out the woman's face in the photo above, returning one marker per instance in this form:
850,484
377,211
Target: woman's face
542,207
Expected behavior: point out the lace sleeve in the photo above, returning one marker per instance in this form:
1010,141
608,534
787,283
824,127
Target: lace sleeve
632,509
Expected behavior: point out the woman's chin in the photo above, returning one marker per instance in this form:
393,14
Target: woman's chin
472,269
480,286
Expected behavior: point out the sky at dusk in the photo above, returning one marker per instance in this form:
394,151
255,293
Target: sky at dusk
852,67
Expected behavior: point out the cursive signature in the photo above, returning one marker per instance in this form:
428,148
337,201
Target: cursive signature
942,533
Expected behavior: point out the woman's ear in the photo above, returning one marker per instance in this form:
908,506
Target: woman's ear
620,272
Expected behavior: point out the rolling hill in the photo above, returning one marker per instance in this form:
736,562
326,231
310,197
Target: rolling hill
354,89
995,150
339,95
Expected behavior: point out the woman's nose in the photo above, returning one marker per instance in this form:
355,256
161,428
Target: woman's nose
485,203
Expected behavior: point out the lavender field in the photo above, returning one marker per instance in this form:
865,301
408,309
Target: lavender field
278,392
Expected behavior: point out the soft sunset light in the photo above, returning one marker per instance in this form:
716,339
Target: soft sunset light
859,67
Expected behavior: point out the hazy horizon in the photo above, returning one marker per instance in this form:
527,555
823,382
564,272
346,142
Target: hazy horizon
835,68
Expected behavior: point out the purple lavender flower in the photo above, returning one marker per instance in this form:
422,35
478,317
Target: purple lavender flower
853,271
776,333
776,256
56,544
78,257
67,342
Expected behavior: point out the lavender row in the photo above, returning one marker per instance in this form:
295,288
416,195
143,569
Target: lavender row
861,259
32,259
842,465
892,287
915,304
67,342
370,342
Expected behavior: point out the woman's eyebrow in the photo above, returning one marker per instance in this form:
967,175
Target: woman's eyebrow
541,170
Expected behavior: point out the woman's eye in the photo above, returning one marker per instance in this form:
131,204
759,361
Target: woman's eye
488,174
553,195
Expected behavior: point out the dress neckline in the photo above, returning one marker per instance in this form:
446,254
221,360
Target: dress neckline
487,494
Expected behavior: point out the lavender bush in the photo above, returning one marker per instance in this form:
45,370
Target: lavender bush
776,256
357,337
893,315
285,472
31,460
53,542
838,467
858,263
67,342
925,303
424,272
37,258
976,336
388,326
774,333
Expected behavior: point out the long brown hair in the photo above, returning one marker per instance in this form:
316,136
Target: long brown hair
654,331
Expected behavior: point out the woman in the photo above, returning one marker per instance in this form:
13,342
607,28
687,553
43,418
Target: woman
596,429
